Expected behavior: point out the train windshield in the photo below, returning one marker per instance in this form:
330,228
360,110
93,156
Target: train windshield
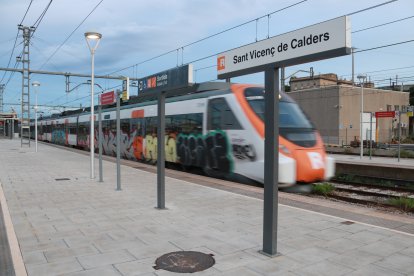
293,123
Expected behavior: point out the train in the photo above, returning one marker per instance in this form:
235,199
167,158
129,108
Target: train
216,128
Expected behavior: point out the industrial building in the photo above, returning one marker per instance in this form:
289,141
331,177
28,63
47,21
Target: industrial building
334,107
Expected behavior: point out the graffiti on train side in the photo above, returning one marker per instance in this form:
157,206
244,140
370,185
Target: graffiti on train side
59,137
211,151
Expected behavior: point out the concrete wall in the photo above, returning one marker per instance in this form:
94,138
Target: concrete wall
321,106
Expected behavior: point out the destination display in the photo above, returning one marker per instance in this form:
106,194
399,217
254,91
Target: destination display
167,80
321,41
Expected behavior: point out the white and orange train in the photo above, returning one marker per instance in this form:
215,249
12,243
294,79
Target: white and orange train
219,130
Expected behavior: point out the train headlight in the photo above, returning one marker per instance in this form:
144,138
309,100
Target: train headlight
284,149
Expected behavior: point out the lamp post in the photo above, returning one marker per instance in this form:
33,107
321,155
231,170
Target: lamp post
361,79
35,84
92,39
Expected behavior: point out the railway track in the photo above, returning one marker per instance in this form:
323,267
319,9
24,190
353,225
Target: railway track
370,195
375,182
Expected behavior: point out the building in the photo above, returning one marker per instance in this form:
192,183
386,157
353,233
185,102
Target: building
334,108
321,81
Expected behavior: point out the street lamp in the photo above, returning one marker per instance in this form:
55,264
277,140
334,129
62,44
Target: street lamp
361,79
92,38
35,84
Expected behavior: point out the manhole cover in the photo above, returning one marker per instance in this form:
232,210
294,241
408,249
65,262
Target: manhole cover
347,222
185,261
61,179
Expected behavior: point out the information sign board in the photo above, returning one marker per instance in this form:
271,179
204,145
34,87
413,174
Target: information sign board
108,98
385,114
320,41
167,80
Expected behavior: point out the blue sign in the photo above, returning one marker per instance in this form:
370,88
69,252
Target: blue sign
167,80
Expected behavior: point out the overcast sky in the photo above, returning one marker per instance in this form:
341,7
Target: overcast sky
136,30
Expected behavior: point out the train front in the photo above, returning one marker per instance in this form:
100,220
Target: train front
302,156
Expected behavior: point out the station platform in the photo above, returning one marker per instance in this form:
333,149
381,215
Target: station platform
60,222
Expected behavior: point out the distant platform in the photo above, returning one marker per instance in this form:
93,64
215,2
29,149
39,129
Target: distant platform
380,167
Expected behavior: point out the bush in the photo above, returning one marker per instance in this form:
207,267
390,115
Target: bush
324,189
408,140
405,154
404,203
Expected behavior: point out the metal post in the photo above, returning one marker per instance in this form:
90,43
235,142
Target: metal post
36,120
100,141
399,135
353,66
118,141
346,136
92,132
270,202
362,124
282,79
1,97
25,99
161,152
12,128
370,137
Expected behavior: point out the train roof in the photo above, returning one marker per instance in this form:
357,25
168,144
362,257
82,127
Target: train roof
201,90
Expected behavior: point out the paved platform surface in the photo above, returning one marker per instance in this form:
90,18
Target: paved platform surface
82,227
375,161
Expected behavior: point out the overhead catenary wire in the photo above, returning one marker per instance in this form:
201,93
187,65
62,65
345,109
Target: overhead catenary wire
384,46
15,41
69,36
210,36
216,54
40,18
383,24
242,24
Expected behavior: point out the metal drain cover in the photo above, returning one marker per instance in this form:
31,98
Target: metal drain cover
62,179
185,261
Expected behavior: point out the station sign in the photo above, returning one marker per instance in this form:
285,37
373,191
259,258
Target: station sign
167,80
316,42
385,114
108,98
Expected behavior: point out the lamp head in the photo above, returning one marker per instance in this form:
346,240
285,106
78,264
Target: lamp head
93,38
35,83
93,35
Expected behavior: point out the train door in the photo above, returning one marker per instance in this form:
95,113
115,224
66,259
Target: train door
223,131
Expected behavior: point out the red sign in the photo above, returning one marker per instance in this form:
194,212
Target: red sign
108,98
385,114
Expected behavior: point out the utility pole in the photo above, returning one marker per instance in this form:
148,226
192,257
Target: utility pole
1,97
25,59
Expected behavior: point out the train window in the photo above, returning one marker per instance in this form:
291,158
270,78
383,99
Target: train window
151,125
291,116
125,126
113,126
220,115
72,128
